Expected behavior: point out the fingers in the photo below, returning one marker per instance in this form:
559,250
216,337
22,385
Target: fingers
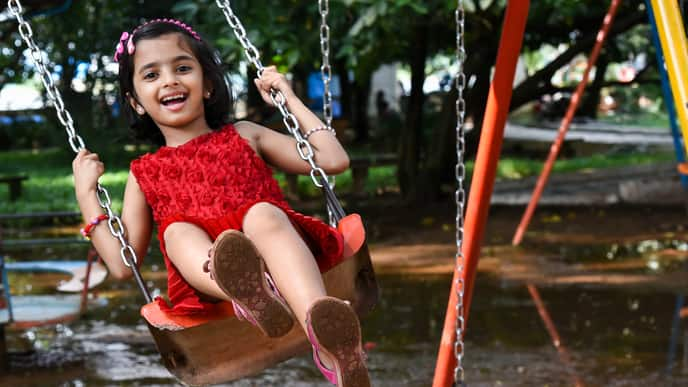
81,154
271,78
91,156
85,159
84,154
264,93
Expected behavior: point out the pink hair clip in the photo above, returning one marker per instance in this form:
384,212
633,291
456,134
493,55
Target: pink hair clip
127,39
130,45
120,46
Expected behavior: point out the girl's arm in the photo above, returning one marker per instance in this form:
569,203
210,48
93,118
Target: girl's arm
136,215
279,149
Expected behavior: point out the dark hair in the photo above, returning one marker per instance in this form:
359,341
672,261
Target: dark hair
217,107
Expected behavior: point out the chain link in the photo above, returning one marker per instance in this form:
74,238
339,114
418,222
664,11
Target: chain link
460,194
326,74
65,118
325,68
278,99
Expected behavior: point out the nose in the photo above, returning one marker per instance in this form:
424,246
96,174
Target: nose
169,78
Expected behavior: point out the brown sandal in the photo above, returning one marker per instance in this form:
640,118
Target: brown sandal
333,329
239,270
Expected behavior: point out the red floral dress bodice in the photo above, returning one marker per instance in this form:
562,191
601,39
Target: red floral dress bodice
205,177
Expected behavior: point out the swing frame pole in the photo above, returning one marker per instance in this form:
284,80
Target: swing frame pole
565,124
667,93
674,46
484,175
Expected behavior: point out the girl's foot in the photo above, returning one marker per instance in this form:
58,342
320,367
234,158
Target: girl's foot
334,330
239,270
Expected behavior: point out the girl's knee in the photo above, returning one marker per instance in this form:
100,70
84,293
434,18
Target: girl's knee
264,217
178,230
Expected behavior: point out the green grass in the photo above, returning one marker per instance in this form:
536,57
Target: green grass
50,187
514,168
658,120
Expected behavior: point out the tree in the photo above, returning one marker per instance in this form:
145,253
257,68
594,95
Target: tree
365,34
430,28
80,35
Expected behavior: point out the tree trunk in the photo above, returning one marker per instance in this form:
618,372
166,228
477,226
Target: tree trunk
540,83
410,136
359,108
591,97
442,152
80,106
345,87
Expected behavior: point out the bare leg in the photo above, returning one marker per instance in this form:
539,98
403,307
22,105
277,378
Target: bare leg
285,253
187,246
290,262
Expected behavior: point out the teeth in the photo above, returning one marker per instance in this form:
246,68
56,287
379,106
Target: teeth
172,97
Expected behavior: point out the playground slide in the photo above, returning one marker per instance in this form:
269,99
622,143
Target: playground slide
36,310
77,270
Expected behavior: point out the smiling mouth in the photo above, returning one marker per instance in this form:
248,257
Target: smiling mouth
174,99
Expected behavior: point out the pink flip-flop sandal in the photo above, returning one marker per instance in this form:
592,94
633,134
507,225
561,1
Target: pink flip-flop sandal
239,270
333,329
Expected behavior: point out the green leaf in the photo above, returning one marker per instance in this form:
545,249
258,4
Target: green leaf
189,8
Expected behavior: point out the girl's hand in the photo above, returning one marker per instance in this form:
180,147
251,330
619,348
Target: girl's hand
272,79
87,169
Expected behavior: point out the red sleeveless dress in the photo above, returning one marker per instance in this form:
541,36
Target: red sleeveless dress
212,181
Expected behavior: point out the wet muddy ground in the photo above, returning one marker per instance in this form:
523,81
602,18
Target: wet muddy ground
610,278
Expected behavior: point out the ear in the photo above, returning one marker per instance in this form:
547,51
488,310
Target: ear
207,89
135,105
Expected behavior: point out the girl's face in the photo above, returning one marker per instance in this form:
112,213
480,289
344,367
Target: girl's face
168,81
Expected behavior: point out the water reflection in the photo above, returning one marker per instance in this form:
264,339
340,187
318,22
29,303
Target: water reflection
615,335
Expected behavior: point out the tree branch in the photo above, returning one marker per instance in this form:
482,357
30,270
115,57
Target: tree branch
540,82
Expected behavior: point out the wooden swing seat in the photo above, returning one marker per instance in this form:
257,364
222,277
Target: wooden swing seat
217,347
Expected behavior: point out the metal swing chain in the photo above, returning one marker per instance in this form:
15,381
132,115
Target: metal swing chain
460,194
326,74
115,225
325,68
303,147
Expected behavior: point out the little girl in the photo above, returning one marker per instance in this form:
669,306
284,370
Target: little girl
210,191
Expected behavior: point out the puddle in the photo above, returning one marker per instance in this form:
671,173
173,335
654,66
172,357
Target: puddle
615,335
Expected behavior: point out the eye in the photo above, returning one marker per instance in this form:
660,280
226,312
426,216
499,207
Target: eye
184,68
150,75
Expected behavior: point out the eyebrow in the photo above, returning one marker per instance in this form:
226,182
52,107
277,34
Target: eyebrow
175,59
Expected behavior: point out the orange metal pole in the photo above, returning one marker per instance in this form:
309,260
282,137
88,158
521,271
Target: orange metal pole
565,124
542,180
484,174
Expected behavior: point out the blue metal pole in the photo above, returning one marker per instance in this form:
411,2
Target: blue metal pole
666,89
675,332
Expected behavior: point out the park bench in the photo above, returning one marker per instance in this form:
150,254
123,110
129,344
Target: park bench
15,185
359,166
